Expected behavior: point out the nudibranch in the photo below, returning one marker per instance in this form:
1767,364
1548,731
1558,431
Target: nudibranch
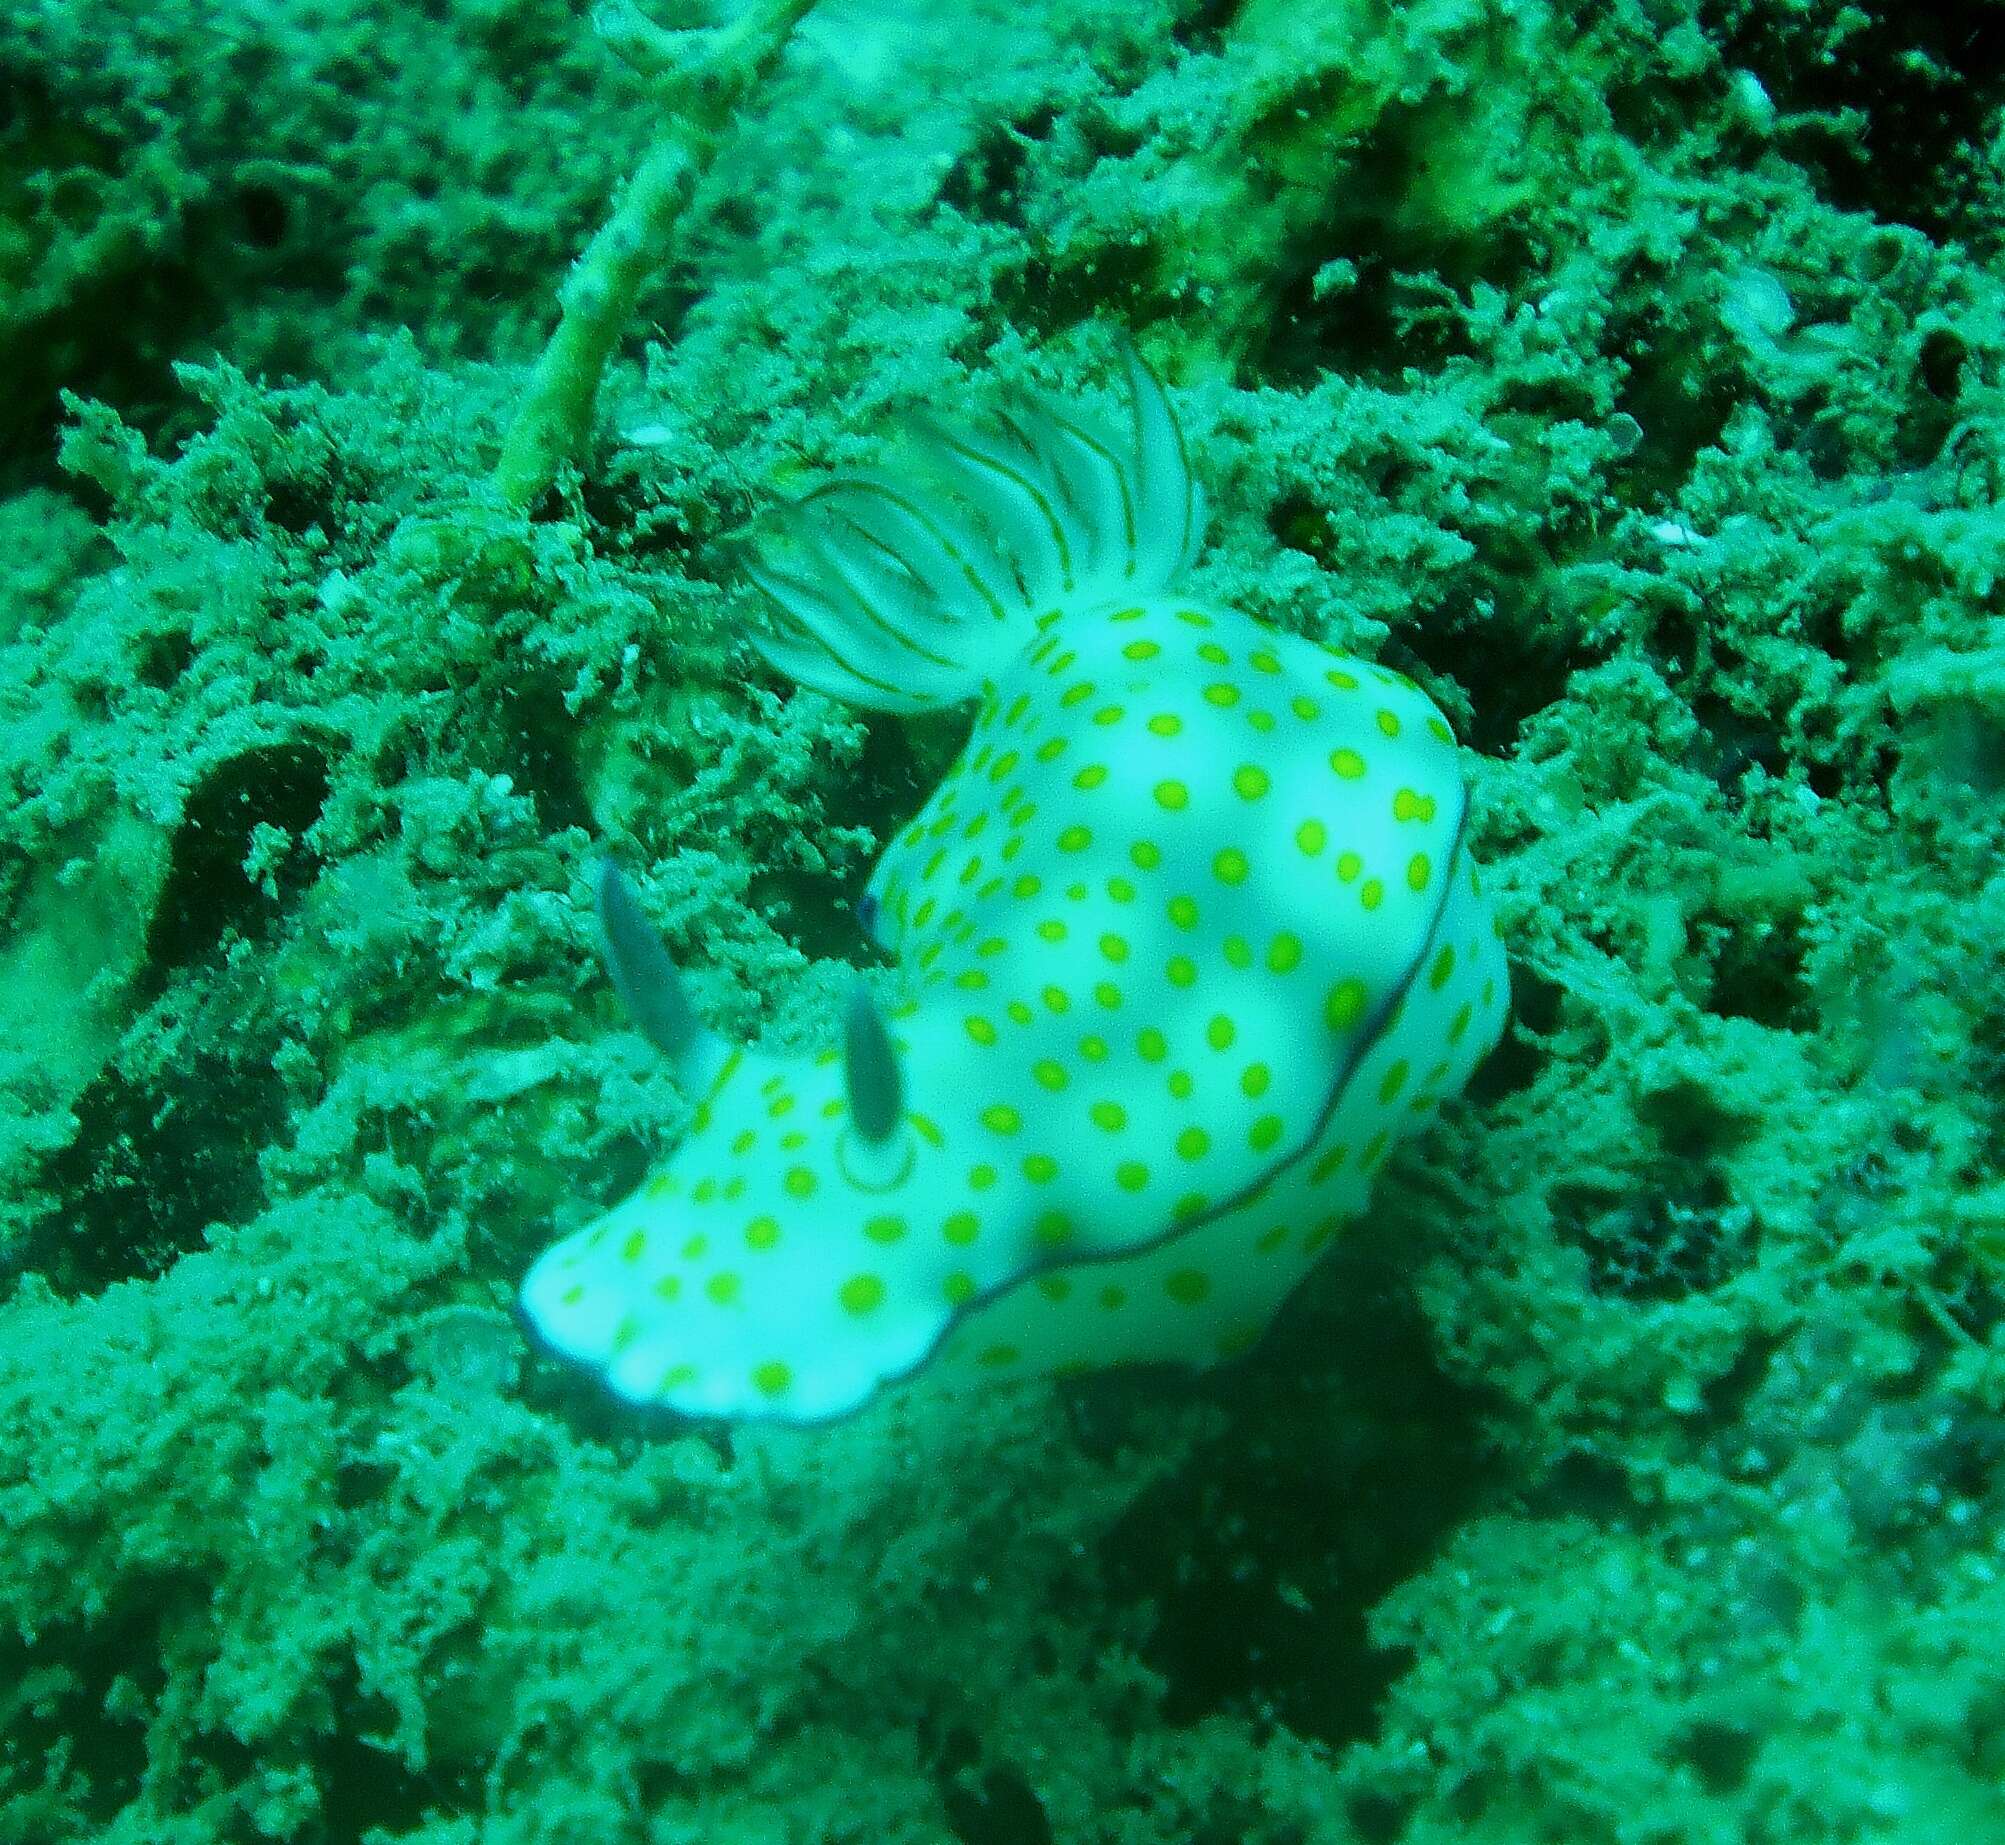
1186,940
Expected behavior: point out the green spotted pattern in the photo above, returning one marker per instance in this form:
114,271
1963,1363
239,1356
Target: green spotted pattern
1186,940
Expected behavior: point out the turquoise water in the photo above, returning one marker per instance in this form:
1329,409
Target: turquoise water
390,389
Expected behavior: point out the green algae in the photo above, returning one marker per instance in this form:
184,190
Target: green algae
1633,1476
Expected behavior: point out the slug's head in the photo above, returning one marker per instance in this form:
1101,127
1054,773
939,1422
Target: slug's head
767,1268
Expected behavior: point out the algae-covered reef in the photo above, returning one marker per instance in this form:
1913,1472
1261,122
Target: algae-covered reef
1630,375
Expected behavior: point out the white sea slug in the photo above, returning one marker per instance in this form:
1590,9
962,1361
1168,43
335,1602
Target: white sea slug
1186,940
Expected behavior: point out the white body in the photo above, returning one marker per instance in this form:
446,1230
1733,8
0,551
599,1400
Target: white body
1187,939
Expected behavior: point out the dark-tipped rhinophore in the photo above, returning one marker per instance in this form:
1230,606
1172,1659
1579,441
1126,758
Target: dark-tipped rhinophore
649,987
870,1069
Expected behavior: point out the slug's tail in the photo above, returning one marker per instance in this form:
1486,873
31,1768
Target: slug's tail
906,590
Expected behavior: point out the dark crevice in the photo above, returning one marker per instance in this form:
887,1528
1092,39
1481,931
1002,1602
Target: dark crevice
999,1808
209,896
1921,83
150,1169
1676,1233
50,1710
366,1791
1263,1558
540,756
